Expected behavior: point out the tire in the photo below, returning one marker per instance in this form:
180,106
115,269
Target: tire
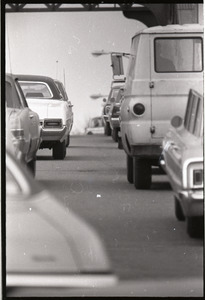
120,145
107,129
129,169
178,210
142,173
68,141
59,150
31,165
115,134
195,227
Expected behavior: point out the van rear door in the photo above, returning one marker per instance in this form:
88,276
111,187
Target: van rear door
176,66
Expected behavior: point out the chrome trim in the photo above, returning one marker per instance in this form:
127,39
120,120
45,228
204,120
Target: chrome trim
60,280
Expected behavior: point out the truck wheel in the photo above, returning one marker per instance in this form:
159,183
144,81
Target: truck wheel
178,210
107,129
142,173
32,166
129,169
115,134
59,150
195,227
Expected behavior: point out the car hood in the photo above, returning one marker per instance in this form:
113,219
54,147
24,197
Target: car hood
47,108
44,237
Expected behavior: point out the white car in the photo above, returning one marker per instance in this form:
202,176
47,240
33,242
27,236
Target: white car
182,159
95,126
44,97
48,246
23,132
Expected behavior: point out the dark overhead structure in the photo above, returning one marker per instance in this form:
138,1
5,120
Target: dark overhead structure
151,14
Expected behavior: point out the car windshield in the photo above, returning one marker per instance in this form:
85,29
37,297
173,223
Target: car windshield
178,55
36,90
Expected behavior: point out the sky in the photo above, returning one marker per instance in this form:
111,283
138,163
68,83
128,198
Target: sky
59,45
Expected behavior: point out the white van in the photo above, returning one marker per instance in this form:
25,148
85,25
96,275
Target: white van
165,63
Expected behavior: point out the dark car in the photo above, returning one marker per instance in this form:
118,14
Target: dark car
48,246
114,114
115,86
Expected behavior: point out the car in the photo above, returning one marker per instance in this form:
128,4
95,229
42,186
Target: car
48,246
182,160
165,62
23,132
114,114
115,86
44,97
95,126
70,105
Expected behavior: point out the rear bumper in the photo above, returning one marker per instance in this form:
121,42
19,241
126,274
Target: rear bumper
192,202
54,134
146,151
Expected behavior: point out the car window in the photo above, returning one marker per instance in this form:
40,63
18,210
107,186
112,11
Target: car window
119,95
12,99
36,89
114,93
61,90
193,120
178,54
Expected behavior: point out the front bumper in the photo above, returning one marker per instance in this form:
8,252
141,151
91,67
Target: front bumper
192,202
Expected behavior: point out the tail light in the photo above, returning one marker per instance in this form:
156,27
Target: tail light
18,133
197,177
15,127
116,112
139,109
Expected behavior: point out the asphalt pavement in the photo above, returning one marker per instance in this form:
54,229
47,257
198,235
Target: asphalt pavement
143,238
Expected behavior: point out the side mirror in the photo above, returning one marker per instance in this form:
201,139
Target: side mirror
104,99
176,121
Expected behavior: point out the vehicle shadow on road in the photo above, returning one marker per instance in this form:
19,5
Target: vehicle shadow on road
160,186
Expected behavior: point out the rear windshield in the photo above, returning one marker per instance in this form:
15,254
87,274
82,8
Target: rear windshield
36,90
178,55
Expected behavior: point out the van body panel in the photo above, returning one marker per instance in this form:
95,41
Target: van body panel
163,94
170,90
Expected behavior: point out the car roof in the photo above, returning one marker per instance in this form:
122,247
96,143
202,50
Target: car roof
175,28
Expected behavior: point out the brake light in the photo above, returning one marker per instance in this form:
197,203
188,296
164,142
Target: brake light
18,133
15,127
115,112
198,177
